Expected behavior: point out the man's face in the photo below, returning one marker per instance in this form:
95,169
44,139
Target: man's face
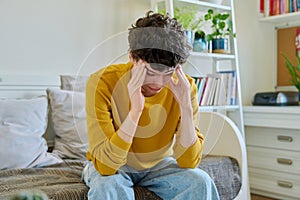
156,79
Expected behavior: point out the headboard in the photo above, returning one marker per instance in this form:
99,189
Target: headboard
28,86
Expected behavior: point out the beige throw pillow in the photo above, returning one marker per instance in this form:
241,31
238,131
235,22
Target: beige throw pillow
73,82
69,123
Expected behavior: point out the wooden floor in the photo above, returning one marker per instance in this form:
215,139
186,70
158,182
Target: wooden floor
257,197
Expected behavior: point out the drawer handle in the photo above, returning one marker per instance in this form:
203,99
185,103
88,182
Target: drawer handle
283,138
284,161
285,184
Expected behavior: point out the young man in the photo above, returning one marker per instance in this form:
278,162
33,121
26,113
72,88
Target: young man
142,120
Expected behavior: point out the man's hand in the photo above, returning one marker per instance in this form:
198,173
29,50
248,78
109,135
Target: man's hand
181,89
137,99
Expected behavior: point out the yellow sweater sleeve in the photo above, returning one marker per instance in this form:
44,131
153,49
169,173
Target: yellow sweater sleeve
106,149
191,157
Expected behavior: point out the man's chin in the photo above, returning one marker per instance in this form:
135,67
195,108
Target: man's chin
150,91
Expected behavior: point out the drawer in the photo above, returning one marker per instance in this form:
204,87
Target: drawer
274,182
274,159
288,139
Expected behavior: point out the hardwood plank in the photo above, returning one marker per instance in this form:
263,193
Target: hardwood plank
258,197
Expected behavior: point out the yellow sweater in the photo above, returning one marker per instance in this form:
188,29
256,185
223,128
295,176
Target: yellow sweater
107,105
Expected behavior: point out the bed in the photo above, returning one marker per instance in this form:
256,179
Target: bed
47,155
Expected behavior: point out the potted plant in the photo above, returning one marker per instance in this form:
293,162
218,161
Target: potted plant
221,29
199,44
186,15
294,71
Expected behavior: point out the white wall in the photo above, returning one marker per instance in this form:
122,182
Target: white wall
55,36
256,50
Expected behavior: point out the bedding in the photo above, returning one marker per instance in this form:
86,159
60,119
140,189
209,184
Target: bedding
63,181
59,181
58,173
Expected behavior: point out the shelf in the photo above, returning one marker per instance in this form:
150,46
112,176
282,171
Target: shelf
282,19
211,62
213,55
225,108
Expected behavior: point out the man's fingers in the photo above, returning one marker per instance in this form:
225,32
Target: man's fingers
181,76
137,72
138,75
172,84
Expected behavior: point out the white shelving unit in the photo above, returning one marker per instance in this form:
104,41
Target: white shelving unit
272,139
234,112
282,19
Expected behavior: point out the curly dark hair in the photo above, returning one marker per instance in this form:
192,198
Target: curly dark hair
159,39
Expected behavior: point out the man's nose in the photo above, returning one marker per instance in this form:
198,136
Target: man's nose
160,80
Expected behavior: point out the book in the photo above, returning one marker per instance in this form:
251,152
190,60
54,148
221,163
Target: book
222,89
262,8
197,81
284,6
207,90
212,92
230,79
201,88
217,89
276,9
267,8
291,8
229,86
295,7
217,92
233,89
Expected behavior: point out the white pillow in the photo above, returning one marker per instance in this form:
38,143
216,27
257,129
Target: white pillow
22,125
73,83
69,123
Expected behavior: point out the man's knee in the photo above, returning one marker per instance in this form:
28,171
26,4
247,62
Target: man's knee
199,177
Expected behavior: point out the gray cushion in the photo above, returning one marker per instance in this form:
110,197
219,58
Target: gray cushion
225,172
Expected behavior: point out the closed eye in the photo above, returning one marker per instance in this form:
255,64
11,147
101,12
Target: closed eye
150,73
169,73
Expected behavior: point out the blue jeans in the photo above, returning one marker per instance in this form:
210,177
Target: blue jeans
166,180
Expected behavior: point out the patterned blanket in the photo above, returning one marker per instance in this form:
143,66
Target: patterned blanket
59,182
63,181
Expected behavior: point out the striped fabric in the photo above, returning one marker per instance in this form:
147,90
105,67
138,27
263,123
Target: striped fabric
63,181
59,181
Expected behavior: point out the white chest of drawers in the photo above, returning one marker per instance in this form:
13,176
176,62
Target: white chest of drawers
273,146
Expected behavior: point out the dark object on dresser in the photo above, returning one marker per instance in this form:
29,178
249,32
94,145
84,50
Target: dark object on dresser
276,99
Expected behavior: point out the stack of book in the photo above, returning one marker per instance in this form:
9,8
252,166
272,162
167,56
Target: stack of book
278,7
217,89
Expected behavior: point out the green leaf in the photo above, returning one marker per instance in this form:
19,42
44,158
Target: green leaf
220,23
223,16
293,70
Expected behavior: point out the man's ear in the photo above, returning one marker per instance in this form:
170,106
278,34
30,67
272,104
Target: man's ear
130,57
